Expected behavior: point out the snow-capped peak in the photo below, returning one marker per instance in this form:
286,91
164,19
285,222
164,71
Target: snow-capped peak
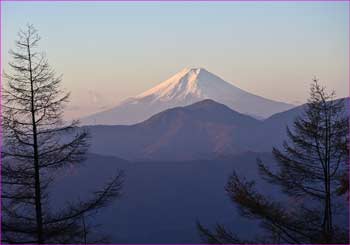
180,86
188,86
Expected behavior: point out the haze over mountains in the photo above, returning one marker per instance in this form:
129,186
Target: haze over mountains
201,131
205,130
177,160
162,201
184,88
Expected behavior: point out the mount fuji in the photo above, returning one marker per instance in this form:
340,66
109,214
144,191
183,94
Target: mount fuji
184,88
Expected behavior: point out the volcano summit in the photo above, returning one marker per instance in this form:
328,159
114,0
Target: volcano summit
184,88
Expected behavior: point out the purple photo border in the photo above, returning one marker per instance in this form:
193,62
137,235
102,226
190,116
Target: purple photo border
102,1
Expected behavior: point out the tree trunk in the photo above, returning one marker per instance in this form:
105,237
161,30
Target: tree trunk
38,209
328,228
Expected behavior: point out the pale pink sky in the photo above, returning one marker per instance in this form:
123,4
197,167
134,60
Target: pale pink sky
110,51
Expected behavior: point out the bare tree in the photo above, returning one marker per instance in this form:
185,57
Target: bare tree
36,144
312,170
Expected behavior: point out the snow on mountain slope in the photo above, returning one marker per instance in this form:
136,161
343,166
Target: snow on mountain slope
178,87
184,88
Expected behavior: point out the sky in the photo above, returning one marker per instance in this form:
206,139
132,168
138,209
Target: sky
109,51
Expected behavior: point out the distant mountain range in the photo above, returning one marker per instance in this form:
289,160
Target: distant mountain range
185,88
192,149
204,130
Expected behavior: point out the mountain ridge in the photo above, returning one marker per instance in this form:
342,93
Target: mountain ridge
203,130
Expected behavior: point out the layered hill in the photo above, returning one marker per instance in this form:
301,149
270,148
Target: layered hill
203,130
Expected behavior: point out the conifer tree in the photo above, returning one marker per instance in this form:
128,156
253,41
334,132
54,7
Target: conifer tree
37,143
312,169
